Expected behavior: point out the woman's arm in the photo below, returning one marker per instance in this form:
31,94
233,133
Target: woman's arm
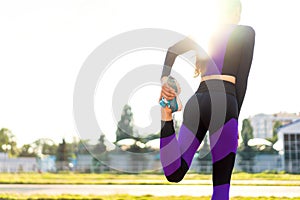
179,48
245,65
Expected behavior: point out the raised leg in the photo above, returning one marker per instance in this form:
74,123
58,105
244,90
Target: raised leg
177,154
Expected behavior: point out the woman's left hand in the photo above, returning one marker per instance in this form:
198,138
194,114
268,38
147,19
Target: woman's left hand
166,112
167,92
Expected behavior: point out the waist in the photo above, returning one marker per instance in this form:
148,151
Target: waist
228,78
217,85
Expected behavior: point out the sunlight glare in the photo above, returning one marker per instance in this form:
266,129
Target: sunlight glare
204,15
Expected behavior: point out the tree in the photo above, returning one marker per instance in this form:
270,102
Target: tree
27,151
99,155
62,156
49,149
62,153
276,125
150,137
100,147
44,146
125,125
247,132
8,142
246,152
65,153
82,147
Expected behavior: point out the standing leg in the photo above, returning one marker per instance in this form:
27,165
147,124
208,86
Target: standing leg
224,144
177,155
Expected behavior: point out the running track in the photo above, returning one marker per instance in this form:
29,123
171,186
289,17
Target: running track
156,190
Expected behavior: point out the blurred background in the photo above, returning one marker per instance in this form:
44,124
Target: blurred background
45,43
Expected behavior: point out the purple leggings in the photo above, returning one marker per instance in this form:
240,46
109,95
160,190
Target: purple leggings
198,118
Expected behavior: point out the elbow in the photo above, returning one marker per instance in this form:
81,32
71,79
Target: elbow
250,30
251,33
172,51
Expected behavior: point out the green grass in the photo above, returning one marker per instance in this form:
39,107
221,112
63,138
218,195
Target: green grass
265,176
126,197
73,178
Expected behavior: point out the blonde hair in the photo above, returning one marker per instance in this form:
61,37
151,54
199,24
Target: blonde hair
200,66
225,9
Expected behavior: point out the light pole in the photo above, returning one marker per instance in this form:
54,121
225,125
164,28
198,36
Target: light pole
6,148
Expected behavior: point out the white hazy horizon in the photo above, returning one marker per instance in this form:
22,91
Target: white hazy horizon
45,43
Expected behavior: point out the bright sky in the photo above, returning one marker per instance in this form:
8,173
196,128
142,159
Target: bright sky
43,45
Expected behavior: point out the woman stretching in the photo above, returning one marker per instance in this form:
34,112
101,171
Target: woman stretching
223,87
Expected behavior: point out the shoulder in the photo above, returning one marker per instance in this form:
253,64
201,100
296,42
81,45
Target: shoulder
243,32
248,30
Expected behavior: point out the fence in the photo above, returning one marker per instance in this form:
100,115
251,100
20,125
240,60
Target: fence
146,162
13,165
118,161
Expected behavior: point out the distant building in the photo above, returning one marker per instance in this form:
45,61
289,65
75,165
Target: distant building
289,141
13,165
46,163
263,123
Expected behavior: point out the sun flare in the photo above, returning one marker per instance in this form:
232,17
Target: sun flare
205,19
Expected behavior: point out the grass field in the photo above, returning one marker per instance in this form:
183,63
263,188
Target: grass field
73,178
127,197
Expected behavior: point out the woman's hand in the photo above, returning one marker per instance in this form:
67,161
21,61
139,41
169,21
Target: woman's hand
166,91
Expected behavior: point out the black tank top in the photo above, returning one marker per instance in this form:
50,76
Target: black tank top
231,50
